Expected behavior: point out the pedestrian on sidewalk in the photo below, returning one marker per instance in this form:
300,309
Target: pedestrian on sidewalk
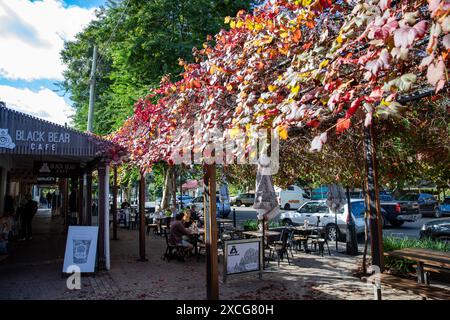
27,213
49,199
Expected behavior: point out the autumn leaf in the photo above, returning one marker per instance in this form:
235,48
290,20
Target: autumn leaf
318,142
282,131
343,125
435,74
404,37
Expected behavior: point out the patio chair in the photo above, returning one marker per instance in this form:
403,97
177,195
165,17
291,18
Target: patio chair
172,251
280,247
152,225
320,240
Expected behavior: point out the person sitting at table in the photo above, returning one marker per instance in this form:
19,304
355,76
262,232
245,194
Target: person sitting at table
187,219
177,231
194,213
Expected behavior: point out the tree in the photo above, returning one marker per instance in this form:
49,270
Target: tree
139,42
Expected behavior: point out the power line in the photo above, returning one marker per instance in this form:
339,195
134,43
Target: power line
99,61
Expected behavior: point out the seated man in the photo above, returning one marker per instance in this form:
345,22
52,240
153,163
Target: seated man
177,231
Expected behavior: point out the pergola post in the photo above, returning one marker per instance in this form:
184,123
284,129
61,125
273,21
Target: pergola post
142,257
103,216
114,204
372,198
212,274
80,200
65,203
88,208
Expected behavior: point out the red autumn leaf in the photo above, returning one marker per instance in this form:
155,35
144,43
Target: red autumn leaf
313,123
353,107
297,35
342,125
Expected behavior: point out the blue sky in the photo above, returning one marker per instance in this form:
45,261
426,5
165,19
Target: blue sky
32,33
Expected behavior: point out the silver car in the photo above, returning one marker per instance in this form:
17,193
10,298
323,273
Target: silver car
312,210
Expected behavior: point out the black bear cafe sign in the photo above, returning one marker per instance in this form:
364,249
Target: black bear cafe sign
23,134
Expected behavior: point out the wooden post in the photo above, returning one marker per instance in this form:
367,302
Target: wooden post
174,188
114,204
65,203
372,198
212,274
89,198
80,200
101,216
142,257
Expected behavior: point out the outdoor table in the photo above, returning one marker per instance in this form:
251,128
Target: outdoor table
423,257
259,234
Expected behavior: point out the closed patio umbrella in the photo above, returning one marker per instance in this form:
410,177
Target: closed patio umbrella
336,199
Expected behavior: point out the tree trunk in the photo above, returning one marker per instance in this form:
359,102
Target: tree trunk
168,187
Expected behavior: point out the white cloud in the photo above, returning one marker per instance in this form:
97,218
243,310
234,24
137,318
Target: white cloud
44,104
32,35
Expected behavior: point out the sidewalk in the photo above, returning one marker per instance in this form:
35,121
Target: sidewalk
309,277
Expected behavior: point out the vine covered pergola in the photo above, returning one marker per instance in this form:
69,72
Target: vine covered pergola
315,69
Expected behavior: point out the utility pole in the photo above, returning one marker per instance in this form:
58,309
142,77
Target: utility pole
92,90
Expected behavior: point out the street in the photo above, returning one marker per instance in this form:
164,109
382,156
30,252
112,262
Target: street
409,229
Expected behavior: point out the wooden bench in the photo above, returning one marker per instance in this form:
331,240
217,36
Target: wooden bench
411,286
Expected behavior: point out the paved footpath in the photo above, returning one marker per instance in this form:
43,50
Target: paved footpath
31,273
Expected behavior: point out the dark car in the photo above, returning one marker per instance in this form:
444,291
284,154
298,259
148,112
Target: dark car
428,205
444,208
436,230
399,212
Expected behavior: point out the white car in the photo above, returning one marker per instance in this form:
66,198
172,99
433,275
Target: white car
291,198
312,210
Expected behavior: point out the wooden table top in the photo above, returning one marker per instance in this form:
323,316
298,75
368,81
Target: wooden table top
258,234
431,257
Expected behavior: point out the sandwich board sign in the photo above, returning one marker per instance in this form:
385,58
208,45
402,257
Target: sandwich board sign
243,256
81,249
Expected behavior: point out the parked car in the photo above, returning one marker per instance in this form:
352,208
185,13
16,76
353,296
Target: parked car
444,207
398,212
291,198
246,199
437,230
198,202
428,205
185,200
223,208
312,210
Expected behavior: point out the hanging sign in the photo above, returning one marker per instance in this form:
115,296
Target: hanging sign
56,169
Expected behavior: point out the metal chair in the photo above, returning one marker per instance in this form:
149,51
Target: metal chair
281,247
172,251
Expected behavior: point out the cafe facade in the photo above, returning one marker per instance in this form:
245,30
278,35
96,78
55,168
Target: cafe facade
35,151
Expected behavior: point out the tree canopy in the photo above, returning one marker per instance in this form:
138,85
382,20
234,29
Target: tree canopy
138,42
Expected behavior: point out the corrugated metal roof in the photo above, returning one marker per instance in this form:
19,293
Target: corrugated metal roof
24,134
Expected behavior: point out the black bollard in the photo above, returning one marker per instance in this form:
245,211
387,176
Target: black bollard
234,217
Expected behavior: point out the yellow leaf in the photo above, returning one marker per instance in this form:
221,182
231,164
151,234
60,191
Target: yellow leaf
282,130
259,27
339,39
239,24
324,63
232,24
229,87
227,19
306,2
295,89
234,132
284,35
272,88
